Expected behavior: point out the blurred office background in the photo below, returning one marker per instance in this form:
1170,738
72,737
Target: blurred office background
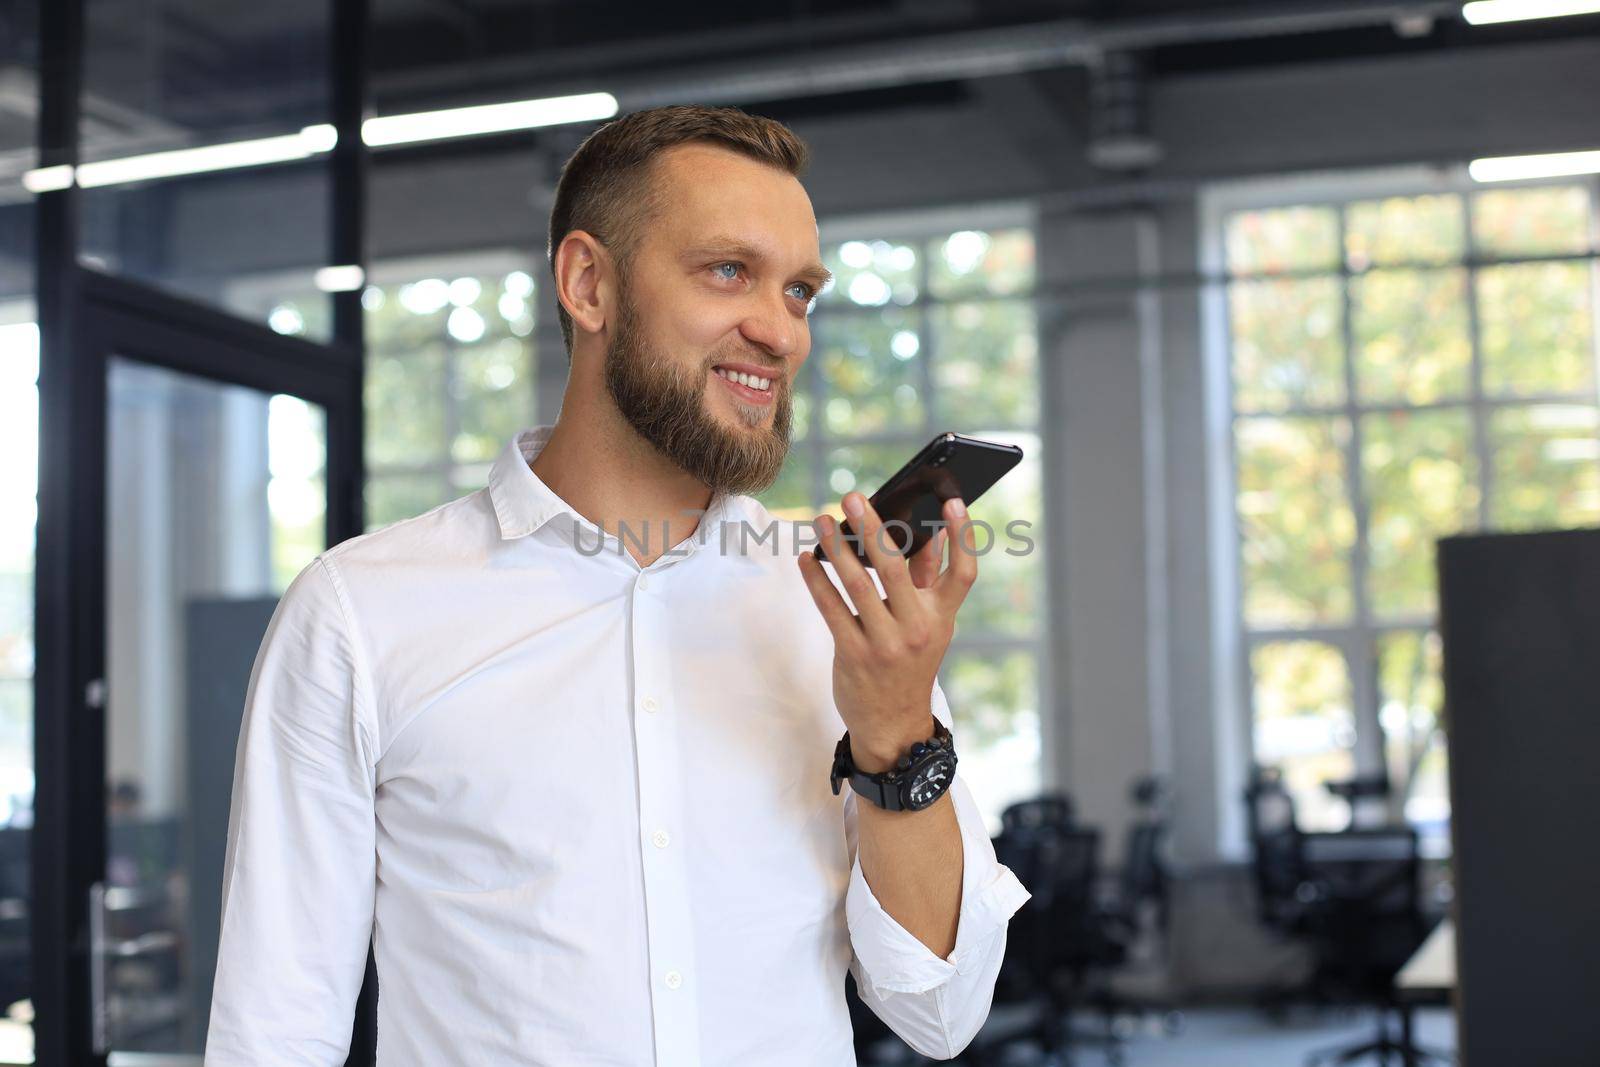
1253,282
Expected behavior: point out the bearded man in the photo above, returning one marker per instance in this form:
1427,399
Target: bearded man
568,750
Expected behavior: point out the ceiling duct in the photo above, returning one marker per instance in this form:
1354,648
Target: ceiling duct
933,57
1119,115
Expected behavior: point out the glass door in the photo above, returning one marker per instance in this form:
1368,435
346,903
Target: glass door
216,496
222,458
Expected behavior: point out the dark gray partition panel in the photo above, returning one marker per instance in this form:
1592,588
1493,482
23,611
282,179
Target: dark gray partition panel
1520,616
223,639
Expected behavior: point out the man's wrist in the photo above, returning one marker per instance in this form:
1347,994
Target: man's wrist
876,754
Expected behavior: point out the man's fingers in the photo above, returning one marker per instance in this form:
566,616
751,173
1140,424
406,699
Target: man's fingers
925,564
870,606
885,556
957,578
835,612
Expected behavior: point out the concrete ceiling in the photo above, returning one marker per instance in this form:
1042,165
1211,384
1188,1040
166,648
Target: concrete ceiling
160,73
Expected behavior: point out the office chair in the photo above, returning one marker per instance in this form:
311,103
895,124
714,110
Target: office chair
1050,808
1019,820
1268,806
1278,877
1353,791
1274,851
1363,911
1144,877
1051,946
1123,921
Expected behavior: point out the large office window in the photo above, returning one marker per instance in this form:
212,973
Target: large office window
450,377
450,372
1404,366
924,330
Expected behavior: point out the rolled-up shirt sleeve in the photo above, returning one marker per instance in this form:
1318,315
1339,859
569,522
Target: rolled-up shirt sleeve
936,1005
299,871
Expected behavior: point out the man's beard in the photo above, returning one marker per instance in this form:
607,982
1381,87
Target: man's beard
666,403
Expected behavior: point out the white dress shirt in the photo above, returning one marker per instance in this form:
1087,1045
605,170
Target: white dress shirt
581,808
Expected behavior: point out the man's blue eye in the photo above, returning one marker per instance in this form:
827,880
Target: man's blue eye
806,292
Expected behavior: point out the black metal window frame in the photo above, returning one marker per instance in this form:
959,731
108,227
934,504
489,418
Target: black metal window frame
85,317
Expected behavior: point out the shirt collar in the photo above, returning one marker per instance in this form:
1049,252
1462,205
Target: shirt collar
523,502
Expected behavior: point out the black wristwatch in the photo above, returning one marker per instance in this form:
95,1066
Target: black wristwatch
917,779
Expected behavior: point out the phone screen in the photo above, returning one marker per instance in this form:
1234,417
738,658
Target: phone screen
951,465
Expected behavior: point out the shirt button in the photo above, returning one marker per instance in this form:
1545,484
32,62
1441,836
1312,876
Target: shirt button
673,979
644,581
661,838
649,704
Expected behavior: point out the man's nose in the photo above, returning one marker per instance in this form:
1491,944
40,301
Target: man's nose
771,327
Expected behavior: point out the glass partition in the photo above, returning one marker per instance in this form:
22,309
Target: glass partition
19,443
216,499
205,139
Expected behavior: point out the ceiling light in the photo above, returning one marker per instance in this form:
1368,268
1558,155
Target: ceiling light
47,179
1549,165
1483,12
229,156
343,279
487,118
386,130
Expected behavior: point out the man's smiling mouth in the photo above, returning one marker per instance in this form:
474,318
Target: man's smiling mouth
747,384
742,378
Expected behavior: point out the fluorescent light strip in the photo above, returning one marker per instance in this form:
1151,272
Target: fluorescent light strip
342,279
1520,168
47,179
229,156
376,132
487,118
1484,12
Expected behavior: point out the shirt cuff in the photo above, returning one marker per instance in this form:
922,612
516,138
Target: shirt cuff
892,958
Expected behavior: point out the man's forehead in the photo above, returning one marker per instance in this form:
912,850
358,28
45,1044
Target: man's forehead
707,191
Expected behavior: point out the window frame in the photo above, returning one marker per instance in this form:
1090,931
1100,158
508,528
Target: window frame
917,228
266,289
1233,639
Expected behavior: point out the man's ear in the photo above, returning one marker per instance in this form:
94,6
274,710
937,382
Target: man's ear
583,272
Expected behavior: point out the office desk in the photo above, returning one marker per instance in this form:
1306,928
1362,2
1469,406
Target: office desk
1432,968
1429,976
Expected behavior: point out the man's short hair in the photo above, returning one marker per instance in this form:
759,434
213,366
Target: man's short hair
606,188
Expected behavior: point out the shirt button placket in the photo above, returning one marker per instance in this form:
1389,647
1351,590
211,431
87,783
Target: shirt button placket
669,926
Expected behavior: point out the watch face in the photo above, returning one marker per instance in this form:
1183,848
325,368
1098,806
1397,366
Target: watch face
929,782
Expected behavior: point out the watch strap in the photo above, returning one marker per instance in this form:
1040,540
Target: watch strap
881,793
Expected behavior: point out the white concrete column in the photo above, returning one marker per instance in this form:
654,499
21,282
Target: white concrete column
1101,344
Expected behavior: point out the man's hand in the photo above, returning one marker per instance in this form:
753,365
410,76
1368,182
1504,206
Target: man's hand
885,658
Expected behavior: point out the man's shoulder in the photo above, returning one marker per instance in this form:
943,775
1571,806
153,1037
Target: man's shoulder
463,526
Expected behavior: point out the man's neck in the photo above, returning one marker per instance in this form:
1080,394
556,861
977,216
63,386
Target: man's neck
617,480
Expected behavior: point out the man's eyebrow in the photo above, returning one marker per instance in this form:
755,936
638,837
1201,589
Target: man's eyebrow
816,273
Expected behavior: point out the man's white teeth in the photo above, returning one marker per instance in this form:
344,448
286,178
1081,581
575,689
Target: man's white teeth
745,379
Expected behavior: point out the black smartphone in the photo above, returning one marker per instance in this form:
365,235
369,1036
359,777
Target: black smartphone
951,465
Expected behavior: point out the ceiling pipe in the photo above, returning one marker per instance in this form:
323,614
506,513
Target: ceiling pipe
943,56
